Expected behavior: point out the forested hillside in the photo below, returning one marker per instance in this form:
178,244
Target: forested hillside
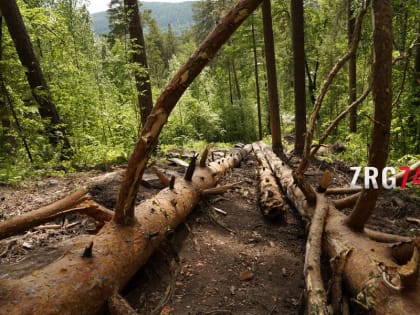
179,15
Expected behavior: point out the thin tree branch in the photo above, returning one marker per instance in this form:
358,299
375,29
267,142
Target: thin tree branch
326,84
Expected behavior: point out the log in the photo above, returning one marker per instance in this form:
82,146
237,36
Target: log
270,200
362,274
30,219
117,305
73,284
286,183
315,290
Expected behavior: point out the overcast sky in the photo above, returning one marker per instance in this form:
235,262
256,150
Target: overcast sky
102,5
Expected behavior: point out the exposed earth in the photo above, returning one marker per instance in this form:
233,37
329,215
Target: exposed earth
214,263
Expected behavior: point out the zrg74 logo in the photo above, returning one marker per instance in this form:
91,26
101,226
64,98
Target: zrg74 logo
389,180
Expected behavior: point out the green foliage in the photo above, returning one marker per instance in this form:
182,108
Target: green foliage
92,82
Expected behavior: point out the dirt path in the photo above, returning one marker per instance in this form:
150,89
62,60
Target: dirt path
236,263
203,264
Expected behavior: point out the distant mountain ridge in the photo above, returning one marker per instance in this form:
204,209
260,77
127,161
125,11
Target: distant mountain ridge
179,15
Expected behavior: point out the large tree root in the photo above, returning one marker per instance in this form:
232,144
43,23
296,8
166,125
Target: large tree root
371,272
80,281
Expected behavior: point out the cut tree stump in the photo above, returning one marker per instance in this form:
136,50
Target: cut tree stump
367,264
74,284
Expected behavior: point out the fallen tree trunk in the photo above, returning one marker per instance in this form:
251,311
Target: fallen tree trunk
270,200
79,283
30,219
368,263
315,290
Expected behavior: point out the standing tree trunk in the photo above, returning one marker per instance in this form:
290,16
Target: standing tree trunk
298,40
257,81
236,81
4,113
273,96
139,58
352,67
54,126
382,98
416,88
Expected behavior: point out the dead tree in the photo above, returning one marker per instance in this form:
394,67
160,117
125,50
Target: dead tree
383,279
167,101
270,201
93,268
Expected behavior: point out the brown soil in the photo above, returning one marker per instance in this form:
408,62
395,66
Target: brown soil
236,263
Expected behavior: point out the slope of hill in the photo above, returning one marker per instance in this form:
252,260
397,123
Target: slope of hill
179,15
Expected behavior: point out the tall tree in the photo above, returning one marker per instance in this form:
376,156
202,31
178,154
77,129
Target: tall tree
117,21
382,98
4,113
171,45
298,41
257,81
273,96
352,66
138,57
155,50
54,126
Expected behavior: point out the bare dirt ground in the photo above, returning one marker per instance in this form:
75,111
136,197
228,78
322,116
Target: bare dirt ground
214,263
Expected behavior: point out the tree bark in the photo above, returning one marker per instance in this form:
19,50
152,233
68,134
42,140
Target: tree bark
315,290
4,112
298,41
167,101
273,96
352,67
270,201
73,284
139,58
361,273
54,126
257,82
382,98
30,219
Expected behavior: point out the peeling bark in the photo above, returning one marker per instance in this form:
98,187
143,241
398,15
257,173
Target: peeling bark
270,201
